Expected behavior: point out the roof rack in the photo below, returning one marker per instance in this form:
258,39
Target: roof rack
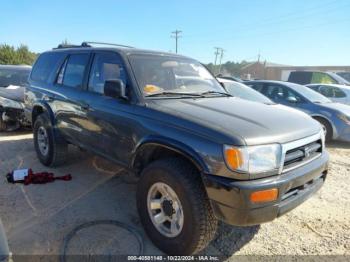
86,43
69,46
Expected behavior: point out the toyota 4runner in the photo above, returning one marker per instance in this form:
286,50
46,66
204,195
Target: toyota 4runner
201,154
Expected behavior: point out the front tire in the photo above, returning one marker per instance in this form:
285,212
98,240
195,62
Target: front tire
50,149
174,208
327,128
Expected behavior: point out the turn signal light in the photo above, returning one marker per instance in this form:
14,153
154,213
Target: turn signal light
264,195
234,158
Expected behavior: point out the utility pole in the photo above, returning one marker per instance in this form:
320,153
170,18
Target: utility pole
221,56
176,34
216,54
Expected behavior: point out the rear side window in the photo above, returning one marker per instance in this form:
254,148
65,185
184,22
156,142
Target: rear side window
319,77
74,70
327,91
46,66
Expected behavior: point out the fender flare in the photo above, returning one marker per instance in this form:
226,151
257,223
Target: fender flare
173,145
334,129
46,108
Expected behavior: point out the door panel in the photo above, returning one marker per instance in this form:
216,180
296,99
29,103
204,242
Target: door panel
109,119
69,104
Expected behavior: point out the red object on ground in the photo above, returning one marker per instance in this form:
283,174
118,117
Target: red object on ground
27,177
44,177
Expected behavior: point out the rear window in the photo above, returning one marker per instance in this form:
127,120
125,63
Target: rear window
46,66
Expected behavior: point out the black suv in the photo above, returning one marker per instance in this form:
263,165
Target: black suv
201,154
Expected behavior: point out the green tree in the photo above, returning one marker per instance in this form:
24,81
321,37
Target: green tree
229,68
9,55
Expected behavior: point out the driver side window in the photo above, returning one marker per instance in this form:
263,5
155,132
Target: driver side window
279,93
327,91
106,66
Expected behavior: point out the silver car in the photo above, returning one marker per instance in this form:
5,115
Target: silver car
336,93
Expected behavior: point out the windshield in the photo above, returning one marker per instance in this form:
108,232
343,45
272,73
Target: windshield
13,77
345,75
245,92
338,78
168,75
309,94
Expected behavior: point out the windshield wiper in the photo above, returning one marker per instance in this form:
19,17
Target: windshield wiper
175,94
216,93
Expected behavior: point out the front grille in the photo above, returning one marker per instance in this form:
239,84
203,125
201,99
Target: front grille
297,156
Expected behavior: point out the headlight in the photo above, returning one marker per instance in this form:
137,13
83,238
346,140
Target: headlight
4,102
253,159
345,118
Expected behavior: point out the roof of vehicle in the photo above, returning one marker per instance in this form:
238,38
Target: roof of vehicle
20,67
127,50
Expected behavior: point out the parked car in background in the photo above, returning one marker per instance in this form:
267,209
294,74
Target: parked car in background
345,75
315,77
232,78
12,84
201,154
336,93
243,91
334,117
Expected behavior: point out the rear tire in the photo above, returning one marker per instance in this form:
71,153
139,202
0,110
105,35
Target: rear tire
198,222
326,127
50,148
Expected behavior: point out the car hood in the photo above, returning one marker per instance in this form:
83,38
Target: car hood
255,123
15,93
345,109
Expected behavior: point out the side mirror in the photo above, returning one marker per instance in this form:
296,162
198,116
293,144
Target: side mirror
292,99
115,88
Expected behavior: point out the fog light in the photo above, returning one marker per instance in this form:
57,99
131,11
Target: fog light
264,195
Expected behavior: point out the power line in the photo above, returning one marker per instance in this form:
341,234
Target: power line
176,34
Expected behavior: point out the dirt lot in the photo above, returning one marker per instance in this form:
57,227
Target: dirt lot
43,219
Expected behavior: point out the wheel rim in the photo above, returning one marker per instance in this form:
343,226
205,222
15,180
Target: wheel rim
165,210
43,141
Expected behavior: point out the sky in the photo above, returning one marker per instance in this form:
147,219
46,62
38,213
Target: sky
290,32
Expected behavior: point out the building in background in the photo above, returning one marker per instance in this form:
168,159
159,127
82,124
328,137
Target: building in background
272,71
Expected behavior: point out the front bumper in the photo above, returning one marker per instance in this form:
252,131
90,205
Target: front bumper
13,115
231,203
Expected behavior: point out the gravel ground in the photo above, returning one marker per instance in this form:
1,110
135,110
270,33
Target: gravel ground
37,218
